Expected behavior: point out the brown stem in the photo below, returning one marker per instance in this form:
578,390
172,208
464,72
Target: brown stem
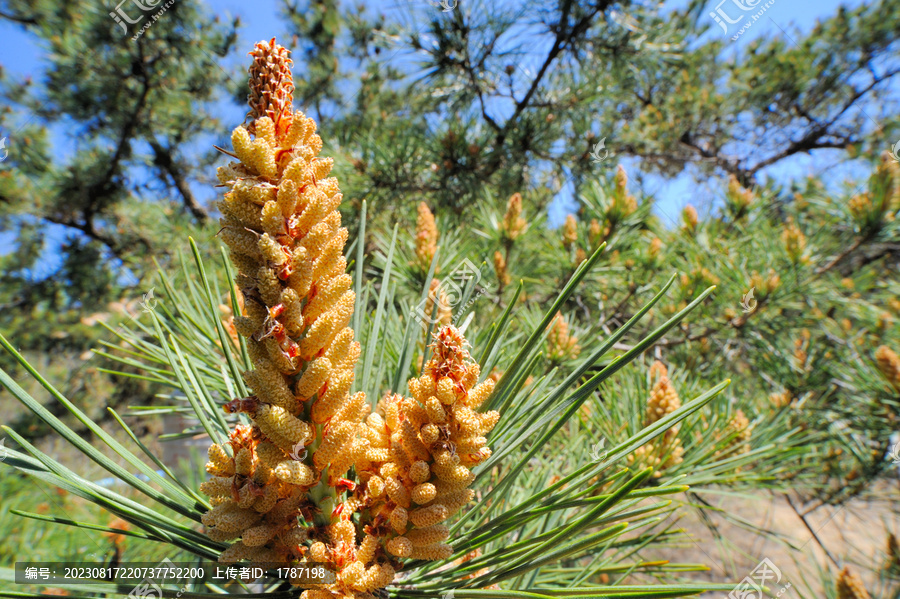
841,256
811,531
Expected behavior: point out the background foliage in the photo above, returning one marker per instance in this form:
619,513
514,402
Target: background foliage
460,110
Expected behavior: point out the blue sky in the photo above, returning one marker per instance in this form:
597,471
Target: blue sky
21,56
782,16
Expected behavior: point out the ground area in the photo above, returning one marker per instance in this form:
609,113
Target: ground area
853,535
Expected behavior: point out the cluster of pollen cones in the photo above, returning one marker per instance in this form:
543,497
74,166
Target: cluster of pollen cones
316,476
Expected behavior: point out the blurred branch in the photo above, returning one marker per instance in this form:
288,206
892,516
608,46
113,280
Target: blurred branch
164,160
19,19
